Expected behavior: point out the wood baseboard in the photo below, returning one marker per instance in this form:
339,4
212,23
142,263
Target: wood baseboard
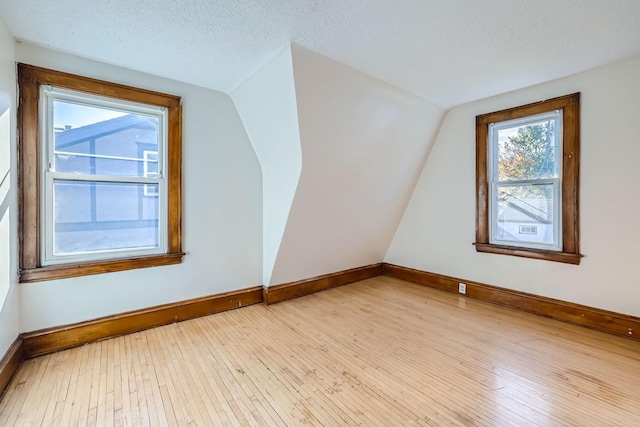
62,337
48,340
10,363
287,291
590,317
45,341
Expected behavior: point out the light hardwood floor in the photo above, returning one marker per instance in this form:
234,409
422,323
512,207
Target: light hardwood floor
377,352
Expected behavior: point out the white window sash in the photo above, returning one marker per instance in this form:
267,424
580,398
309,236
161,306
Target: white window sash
556,182
49,176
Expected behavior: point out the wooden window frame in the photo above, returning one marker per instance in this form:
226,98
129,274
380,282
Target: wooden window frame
570,253
30,78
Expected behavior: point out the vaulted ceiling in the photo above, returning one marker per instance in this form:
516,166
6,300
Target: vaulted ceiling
445,51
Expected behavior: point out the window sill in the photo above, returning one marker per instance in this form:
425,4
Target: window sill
565,257
66,271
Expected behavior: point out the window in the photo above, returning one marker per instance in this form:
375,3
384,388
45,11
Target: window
100,172
527,168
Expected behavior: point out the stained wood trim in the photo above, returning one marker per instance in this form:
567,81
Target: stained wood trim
10,363
29,234
62,337
590,317
97,267
570,105
28,171
96,86
571,175
565,257
531,109
287,291
482,181
174,180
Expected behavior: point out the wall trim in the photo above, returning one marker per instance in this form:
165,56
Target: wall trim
10,363
287,291
48,340
622,325
44,341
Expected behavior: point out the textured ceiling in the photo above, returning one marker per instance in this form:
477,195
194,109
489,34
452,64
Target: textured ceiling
445,51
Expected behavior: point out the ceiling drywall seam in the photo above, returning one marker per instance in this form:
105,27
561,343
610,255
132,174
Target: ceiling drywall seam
266,103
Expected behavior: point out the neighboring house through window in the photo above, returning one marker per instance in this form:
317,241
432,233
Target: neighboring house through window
105,195
527,165
150,170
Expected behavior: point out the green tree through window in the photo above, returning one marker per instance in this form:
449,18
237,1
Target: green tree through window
529,154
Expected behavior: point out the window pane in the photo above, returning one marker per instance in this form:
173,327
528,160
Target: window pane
525,213
101,141
528,152
95,216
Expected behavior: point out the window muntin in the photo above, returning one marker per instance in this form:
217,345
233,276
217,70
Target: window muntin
94,180
526,181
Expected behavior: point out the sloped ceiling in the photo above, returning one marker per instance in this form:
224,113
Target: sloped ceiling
363,145
445,51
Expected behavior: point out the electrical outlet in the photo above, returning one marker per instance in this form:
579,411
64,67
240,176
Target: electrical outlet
462,288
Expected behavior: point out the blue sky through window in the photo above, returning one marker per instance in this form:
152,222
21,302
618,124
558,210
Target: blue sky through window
77,115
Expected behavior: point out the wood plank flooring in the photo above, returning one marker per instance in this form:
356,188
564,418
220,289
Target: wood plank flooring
377,352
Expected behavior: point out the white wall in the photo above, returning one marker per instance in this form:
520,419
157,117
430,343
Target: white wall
9,296
438,227
363,145
222,208
266,103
